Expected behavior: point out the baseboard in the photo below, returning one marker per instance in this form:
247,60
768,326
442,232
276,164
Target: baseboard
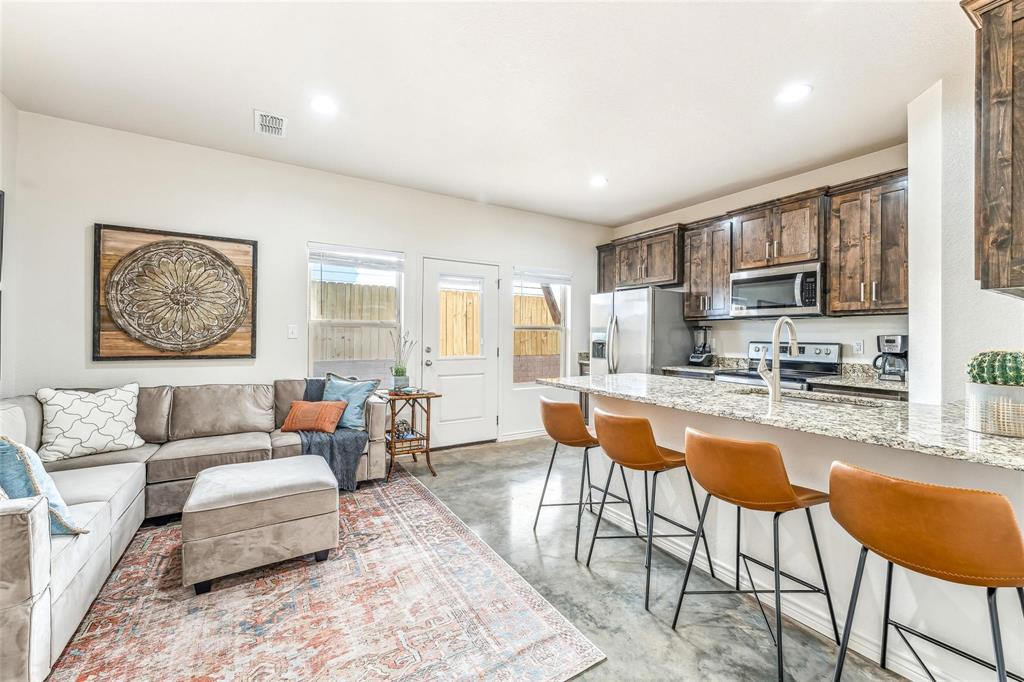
520,435
897,661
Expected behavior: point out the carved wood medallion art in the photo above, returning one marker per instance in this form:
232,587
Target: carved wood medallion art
172,295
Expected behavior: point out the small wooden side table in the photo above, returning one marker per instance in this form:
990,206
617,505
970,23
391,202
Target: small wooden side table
418,441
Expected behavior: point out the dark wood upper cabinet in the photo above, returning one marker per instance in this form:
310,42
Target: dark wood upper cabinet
629,264
751,247
606,266
796,231
707,255
650,258
999,144
660,258
867,246
780,232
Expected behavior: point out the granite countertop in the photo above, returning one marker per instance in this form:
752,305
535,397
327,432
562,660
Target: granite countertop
854,375
870,382
929,429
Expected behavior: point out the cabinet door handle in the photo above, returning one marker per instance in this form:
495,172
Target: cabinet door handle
862,292
775,249
707,303
767,251
874,290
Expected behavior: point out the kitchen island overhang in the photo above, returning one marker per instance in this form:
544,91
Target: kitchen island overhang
907,440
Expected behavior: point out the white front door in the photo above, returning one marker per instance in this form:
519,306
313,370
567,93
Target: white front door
460,349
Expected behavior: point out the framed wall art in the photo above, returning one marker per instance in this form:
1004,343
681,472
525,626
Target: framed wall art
161,295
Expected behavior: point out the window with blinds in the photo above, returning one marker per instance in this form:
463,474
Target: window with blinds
540,320
355,306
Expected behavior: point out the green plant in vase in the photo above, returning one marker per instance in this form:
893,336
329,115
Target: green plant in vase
403,348
1000,367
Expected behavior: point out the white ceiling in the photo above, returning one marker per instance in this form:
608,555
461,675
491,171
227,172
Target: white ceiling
515,104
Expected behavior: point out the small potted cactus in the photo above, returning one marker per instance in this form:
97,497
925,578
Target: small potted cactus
995,393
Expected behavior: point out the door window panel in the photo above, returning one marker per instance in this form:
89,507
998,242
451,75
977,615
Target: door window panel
461,320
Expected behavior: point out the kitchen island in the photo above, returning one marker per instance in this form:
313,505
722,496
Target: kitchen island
909,440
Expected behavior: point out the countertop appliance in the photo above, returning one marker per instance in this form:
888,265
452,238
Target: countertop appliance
701,355
773,292
813,360
891,361
637,330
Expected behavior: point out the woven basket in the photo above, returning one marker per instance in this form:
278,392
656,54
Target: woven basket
994,409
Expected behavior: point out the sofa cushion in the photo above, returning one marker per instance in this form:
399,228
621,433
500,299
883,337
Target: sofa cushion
183,459
285,444
140,454
221,409
286,391
116,484
69,553
238,497
28,424
154,418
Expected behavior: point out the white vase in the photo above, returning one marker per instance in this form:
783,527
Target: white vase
995,409
400,382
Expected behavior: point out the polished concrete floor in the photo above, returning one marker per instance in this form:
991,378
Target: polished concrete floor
494,489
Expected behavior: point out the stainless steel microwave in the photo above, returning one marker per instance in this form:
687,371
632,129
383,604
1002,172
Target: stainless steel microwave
782,290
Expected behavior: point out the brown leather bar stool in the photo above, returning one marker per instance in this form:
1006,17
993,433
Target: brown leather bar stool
564,424
752,475
629,443
906,522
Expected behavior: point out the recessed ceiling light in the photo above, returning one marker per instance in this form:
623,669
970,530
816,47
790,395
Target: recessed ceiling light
793,93
324,105
598,181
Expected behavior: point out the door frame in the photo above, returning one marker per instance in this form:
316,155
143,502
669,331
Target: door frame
500,384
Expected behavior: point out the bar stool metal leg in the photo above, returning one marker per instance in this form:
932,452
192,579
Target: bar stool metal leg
600,513
824,580
703,535
579,510
625,484
997,638
689,563
778,596
885,613
739,511
848,627
650,537
544,490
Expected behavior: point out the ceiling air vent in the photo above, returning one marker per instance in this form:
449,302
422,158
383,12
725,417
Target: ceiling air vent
269,124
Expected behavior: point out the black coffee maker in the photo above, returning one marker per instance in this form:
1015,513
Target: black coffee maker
891,361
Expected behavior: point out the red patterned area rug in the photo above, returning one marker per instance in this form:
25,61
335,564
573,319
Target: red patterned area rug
411,593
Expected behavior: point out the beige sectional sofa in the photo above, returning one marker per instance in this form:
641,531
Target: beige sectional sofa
47,583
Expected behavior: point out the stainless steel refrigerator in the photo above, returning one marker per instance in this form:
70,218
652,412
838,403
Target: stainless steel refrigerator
637,330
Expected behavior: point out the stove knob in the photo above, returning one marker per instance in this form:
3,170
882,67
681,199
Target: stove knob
817,351
757,349
828,351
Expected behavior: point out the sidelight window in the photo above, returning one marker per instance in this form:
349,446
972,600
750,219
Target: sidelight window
540,319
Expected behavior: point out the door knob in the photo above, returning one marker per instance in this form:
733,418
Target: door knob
428,363
427,349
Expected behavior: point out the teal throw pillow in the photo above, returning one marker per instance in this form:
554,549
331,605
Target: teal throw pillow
353,392
22,475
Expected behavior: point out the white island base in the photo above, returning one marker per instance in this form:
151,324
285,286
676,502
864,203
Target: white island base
952,613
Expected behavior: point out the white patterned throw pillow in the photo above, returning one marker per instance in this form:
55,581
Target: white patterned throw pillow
78,423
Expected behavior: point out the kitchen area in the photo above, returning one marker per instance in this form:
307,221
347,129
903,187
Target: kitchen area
786,323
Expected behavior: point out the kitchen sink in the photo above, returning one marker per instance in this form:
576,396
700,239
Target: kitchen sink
811,398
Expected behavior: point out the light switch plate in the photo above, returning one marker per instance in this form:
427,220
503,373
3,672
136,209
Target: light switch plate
858,347
293,331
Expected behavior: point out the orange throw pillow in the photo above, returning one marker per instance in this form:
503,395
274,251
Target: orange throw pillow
319,416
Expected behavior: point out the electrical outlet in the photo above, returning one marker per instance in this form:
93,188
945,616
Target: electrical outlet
293,331
858,347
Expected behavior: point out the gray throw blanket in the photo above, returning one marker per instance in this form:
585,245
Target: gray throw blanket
342,449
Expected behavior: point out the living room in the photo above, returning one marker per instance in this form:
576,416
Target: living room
302,368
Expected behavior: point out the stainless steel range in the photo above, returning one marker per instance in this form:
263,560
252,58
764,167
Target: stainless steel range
813,360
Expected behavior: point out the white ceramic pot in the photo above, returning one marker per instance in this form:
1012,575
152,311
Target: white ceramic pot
994,409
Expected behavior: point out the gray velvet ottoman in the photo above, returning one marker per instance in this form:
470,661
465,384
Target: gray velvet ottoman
242,516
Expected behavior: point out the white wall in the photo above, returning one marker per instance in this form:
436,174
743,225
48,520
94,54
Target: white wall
8,175
71,175
924,151
730,337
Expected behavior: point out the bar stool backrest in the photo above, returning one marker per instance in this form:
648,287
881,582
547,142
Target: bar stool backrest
628,441
963,536
564,423
750,474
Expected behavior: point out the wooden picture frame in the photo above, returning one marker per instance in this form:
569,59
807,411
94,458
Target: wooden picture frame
117,250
